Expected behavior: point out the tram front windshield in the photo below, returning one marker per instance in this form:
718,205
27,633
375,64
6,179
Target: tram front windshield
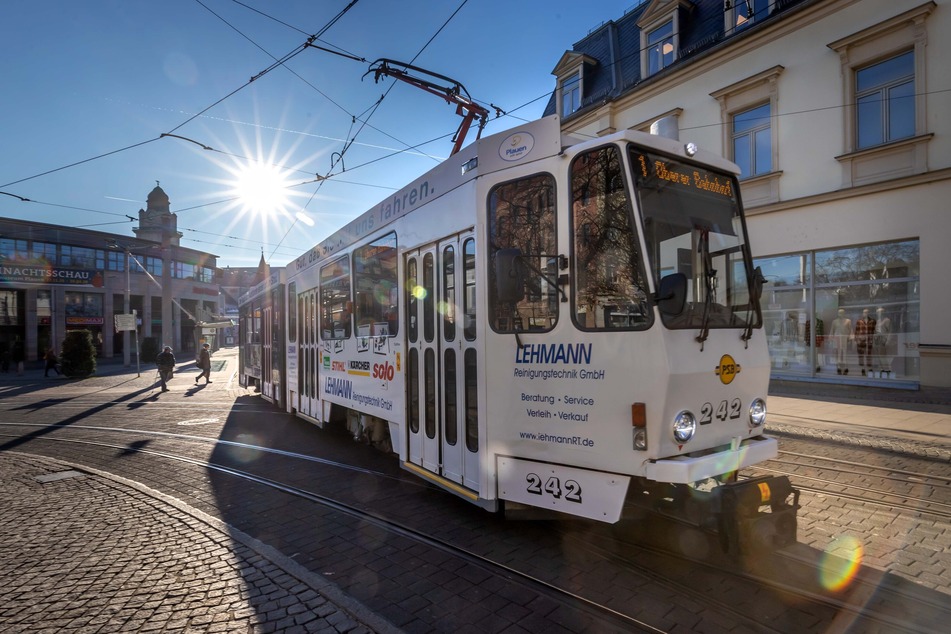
693,226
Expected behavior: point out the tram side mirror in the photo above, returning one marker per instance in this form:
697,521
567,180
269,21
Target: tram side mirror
672,294
756,287
509,276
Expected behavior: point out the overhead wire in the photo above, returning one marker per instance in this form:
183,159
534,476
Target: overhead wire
350,141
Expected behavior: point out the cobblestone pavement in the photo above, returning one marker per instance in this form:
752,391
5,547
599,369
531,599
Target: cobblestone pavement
86,552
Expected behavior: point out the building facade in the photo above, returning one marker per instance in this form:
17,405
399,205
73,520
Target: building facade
836,113
56,279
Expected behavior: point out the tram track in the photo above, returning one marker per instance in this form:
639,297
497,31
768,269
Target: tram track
920,492
610,618
665,569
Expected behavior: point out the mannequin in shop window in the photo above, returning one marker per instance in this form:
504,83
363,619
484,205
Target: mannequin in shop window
864,335
820,339
841,333
881,344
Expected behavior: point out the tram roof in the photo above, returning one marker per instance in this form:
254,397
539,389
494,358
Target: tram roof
533,141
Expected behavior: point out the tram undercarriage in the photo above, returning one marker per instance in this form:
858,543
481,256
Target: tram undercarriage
749,516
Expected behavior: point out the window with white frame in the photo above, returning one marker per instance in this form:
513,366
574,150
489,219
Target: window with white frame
752,141
743,13
885,101
884,75
570,94
748,111
660,47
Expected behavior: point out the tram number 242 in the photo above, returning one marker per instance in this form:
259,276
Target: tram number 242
570,491
723,411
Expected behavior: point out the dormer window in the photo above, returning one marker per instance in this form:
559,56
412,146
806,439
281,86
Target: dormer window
572,71
660,43
570,89
740,14
660,28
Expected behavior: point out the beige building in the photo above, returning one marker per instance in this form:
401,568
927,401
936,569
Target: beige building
837,112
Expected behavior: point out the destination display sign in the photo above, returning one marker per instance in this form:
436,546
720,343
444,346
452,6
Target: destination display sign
682,175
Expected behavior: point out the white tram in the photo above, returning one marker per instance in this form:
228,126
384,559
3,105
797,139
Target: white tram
262,334
548,323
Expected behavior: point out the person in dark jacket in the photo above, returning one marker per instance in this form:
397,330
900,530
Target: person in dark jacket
51,362
204,364
166,365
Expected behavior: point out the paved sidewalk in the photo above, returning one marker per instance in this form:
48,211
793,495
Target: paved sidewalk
84,551
916,422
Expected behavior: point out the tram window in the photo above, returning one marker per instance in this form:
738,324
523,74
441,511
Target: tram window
610,286
292,312
448,303
469,303
449,397
411,300
256,325
522,218
694,226
412,384
336,306
429,298
472,400
375,283
429,372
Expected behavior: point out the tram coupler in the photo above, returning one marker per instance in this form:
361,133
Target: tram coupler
756,515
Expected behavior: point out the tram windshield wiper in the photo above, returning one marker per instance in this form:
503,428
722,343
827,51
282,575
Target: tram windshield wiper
709,285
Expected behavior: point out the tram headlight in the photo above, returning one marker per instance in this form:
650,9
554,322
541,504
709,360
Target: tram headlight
685,425
757,412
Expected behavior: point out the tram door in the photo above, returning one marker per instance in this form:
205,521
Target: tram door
307,353
441,360
267,351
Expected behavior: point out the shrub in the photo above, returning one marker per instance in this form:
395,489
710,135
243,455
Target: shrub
78,358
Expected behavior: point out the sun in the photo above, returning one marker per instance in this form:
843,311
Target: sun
261,188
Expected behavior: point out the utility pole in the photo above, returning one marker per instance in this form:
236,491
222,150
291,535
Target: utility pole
126,353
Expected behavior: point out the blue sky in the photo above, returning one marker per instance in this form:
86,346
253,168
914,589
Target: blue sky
89,88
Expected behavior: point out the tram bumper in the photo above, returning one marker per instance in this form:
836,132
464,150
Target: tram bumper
756,515
690,469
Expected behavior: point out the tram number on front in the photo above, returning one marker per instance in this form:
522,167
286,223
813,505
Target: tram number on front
570,490
724,410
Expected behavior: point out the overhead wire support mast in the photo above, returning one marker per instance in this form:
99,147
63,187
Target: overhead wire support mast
454,93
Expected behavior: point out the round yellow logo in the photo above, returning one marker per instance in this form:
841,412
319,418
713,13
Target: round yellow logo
727,369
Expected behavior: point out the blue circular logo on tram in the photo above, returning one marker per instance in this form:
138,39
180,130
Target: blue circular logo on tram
516,146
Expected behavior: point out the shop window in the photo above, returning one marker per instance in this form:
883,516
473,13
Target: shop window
851,313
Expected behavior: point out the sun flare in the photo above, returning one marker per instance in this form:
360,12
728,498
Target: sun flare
262,188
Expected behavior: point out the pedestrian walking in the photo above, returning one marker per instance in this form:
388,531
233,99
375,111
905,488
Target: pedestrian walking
51,362
166,365
204,364
19,356
4,358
